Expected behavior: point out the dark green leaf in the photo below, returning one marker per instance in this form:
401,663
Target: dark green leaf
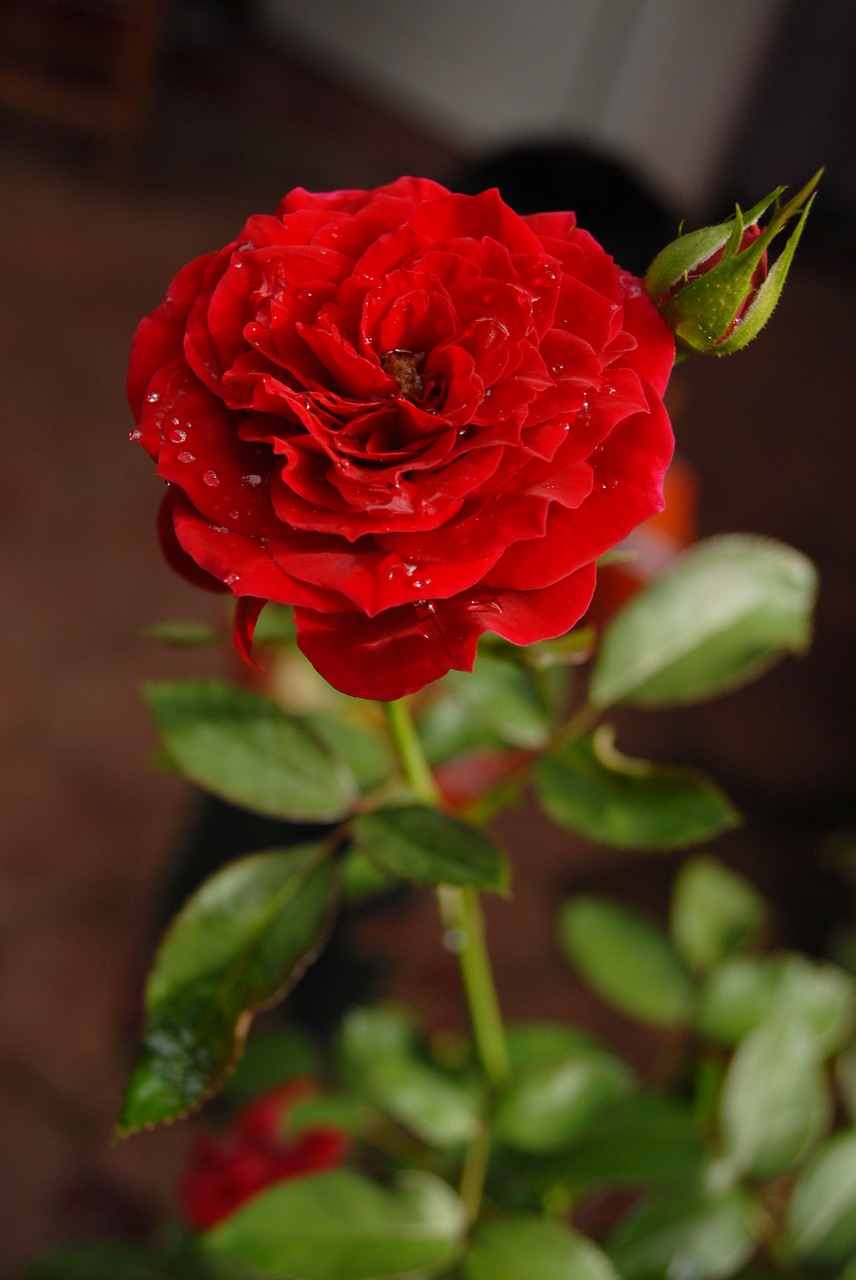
271,1057
416,843
591,788
730,607
106,1261
820,1225
523,1248
715,912
242,747
688,1235
775,1102
545,1107
742,992
381,1058
505,699
365,753
240,941
644,1140
627,961
340,1226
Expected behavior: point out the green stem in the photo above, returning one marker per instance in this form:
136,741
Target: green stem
460,911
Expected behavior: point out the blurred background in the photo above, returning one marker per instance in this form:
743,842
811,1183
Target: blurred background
135,134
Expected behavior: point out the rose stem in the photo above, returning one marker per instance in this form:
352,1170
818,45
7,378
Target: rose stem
461,914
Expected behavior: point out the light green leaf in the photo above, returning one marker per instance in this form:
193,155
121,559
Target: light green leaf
243,748
627,961
729,608
743,991
775,1103
820,1225
715,912
381,1059
416,843
341,1226
537,1044
687,1235
523,1248
546,1106
365,753
595,791
237,945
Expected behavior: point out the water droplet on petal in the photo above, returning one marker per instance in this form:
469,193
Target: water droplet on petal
252,481
210,478
184,456
135,434
231,579
153,397
234,514
177,436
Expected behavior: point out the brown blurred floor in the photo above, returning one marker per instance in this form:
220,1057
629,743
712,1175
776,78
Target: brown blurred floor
89,826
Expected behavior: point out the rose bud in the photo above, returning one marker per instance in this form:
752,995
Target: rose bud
714,286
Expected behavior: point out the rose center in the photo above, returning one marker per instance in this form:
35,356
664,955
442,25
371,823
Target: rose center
406,368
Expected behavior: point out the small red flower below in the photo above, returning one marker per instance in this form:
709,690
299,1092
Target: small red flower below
223,1173
413,415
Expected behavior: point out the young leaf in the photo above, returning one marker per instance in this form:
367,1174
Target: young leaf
341,1226
380,1057
238,944
715,912
243,748
547,1106
595,791
627,961
820,1225
520,1248
687,1233
730,607
775,1102
414,842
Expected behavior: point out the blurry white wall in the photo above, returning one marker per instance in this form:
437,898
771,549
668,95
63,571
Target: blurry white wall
659,83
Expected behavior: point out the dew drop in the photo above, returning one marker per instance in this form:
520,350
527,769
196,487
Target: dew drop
177,436
184,456
210,478
231,579
153,397
234,514
252,481
174,421
135,434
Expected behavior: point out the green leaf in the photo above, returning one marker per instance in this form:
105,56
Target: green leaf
505,699
644,1140
547,1106
689,1235
627,961
742,992
521,1248
237,945
729,608
417,843
273,1056
538,1044
365,753
381,1059
775,1102
595,791
820,1225
341,1226
242,747
715,912
106,1261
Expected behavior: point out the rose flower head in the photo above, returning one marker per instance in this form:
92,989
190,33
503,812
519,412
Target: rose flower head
715,287
414,416
223,1173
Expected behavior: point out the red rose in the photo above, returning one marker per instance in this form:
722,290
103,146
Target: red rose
224,1173
413,415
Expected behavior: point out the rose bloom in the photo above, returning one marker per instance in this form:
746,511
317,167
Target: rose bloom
224,1173
413,415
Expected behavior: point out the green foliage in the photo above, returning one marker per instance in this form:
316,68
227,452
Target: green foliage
729,608
627,960
549,1103
341,1226
240,941
519,1248
243,748
714,913
689,1233
821,1218
413,842
594,790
